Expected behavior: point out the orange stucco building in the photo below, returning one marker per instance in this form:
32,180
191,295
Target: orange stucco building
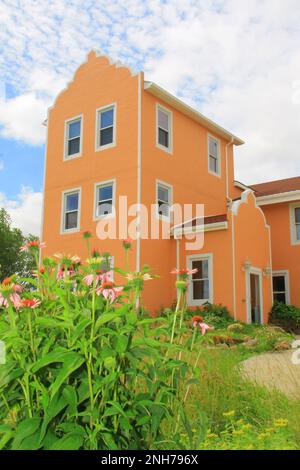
112,135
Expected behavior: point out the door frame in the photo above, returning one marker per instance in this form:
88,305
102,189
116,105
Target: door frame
257,272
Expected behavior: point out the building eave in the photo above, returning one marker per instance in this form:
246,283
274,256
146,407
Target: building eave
176,103
278,198
199,229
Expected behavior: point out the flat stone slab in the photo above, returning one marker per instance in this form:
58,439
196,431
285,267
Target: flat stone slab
274,371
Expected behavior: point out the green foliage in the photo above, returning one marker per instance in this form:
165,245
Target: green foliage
287,316
85,368
11,239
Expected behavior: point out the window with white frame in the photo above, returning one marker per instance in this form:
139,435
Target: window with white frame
200,289
297,223
104,199
163,199
73,138
213,155
106,127
281,287
164,128
71,209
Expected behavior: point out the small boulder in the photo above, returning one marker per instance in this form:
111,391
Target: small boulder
251,343
282,346
235,327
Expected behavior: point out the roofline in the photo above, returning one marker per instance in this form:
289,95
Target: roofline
159,92
199,229
240,185
278,198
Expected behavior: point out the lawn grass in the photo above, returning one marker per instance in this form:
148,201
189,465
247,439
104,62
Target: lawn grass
223,391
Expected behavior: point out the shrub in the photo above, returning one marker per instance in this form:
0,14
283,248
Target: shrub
84,370
287,316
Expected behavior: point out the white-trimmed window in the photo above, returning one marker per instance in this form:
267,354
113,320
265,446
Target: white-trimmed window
71,210
73,138
164,200
106,127
295,223
104,199
281,291
200,288
214,165
163,128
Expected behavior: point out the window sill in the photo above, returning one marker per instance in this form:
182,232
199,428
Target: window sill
164,149
105,147
72,157
70,231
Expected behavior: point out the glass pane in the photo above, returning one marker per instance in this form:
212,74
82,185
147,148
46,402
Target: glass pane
200,290
163,194
280,298
72,202
163,208
202,266
298,232
107,118
279,283
104,208
163,138
213,148
105,192
297,215
213,164
163,120
74,129
106,136
71,220
74,146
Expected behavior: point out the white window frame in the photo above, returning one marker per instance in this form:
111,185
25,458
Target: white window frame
98,185
256,272
189,262
293,208
283,273
170,115
98,147
169,187
218,173
64,231
66,140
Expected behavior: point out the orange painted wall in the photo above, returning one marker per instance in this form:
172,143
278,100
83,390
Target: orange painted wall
285,255
96,84
252,244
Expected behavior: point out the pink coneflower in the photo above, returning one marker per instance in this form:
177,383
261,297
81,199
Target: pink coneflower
64,272
198,321
15,300
109,291
127,243
3,301
36,244
184,272
31,303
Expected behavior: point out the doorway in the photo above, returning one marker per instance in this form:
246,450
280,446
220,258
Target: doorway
254,297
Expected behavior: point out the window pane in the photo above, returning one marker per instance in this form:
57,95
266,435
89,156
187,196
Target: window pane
202,266
107,118
106,136
163,120
213,148
163,138
72,202
71,220
105,192
298,232
163,208
213,164
280,298
104,208
74,129
74,146
200,290
279,283
297,215
163,194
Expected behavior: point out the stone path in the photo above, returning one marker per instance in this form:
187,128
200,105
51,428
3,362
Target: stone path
275,371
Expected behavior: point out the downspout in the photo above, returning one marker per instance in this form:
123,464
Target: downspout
46,124
139,184
229,204
226,163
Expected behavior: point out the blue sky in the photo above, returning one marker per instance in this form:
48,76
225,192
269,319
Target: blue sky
237,62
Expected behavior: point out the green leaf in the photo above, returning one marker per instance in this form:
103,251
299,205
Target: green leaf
109,441
69,442
9,373
70,396
56,405
107,317
58,355
26,428
72,361
121,344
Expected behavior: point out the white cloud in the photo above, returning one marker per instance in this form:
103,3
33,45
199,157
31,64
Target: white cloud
236,64
25,211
